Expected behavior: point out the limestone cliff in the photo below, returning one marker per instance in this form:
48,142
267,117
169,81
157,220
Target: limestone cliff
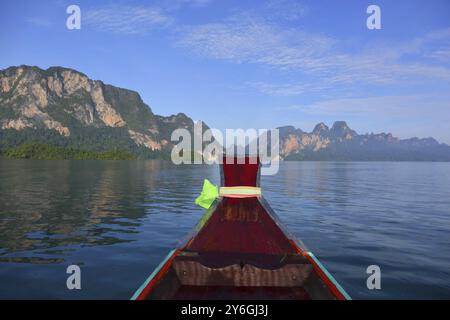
66,107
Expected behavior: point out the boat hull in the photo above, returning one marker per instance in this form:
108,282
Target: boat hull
240,250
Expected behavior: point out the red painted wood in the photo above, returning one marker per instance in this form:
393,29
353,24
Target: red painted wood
241,226
240,230
235,174
153,282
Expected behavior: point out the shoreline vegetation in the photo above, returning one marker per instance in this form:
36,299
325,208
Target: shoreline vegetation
40,151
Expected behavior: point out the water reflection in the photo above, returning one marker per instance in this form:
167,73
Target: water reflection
48,204
118,219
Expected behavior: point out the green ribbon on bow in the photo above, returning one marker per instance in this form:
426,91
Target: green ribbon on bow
209,193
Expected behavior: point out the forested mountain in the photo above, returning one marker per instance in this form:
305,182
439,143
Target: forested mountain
64,108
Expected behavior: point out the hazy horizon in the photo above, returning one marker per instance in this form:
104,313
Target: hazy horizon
254,64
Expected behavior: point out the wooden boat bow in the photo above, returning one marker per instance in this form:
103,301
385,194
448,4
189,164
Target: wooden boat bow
240,250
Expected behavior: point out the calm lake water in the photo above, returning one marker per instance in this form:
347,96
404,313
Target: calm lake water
117,220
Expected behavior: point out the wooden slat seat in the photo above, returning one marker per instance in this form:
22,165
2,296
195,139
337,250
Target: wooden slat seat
195,274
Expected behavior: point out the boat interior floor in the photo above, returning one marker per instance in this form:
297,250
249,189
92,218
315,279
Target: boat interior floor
219,275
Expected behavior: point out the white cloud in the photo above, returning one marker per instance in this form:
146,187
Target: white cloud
407,106
174,6
286,89
441,55
246,38
126,19
409,115
289,10
197,3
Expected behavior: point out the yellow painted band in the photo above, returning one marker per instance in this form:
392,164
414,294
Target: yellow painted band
240,190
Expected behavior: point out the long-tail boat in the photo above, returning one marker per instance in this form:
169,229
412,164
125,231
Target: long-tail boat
240,250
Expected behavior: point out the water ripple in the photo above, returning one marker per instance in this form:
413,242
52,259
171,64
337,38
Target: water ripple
119,219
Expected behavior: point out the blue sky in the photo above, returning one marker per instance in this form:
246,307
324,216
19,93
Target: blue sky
254,64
